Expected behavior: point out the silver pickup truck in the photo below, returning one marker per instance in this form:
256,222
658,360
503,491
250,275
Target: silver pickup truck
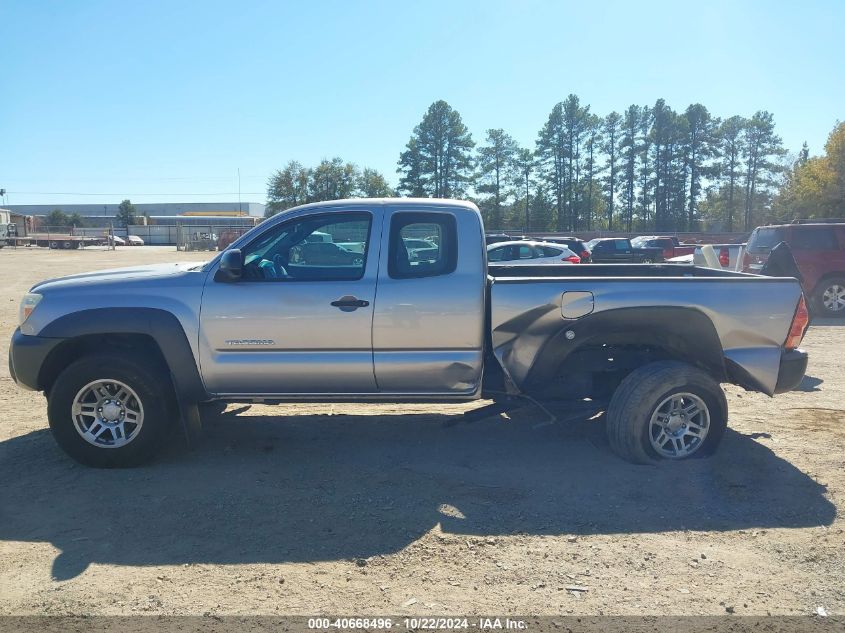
123,355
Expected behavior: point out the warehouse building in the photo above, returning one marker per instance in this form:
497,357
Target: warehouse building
101,214
165,223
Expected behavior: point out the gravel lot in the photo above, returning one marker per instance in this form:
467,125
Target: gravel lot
362,509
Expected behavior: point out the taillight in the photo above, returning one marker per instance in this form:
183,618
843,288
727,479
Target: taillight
799,325
573,259
585,254
724,257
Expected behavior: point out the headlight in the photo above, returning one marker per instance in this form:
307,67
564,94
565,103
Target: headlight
28,304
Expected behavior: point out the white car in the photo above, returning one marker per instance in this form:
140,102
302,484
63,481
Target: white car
116,240
134,240
530,253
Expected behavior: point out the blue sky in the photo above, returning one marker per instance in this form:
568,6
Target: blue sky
162,101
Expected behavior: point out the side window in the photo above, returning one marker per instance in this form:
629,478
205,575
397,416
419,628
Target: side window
422,245
548,251
526,252
621,245
327,247
813,239
496,254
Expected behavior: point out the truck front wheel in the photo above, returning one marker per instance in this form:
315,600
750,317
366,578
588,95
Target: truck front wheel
108,411
666,410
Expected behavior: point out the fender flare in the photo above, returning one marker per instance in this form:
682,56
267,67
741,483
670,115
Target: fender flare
685,332
162,326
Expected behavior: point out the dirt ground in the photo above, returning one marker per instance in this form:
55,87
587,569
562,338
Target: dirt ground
361,509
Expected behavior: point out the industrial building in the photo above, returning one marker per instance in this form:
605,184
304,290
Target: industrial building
162,223
102,214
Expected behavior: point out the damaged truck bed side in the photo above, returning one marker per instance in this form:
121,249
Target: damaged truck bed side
287,313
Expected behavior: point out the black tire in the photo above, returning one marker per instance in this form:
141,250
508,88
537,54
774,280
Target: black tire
143,377
643,390
825,285
647,260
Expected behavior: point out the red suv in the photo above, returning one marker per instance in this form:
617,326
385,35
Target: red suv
819,251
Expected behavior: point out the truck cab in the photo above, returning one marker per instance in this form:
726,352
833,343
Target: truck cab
379,322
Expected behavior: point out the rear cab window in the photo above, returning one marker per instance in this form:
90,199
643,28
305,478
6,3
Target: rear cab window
422,245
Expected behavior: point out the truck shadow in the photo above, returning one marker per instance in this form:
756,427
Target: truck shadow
315,487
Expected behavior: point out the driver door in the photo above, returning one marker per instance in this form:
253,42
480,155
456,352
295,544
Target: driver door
296,323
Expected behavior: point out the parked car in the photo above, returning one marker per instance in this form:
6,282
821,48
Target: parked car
819,250
353,247
574,244
616,250
670,245
530,253
724,257
134,240
493,238
420,248
324,254
114,239
124,355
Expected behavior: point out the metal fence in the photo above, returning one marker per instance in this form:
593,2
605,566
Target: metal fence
210,237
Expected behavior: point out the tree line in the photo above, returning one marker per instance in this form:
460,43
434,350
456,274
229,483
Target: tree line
647,168
126,215
330,180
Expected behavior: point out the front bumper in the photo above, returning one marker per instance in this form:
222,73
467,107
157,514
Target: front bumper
793,365
26,357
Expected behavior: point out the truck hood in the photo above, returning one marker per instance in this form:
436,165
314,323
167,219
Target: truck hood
152,271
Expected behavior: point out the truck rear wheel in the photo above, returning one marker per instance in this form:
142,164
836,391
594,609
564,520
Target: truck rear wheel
666,410
108,411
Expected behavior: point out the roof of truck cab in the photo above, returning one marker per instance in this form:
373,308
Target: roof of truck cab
408,202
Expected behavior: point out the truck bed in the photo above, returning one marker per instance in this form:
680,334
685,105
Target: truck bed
734,323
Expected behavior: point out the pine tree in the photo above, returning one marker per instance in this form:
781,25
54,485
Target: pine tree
628,153
495,173
591,149
645,174
701,145
437,161
551,155
762,146
611,148
524,165
730,136
413,182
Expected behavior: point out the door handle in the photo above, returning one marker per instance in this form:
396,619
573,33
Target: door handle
348,303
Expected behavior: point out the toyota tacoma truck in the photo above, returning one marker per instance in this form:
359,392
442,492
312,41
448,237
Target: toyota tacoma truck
124,356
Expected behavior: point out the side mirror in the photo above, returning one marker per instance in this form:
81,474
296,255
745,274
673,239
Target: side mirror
231,266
